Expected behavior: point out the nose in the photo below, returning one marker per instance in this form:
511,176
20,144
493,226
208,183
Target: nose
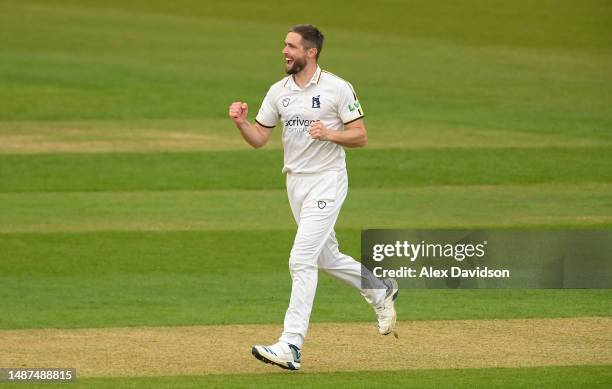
285,51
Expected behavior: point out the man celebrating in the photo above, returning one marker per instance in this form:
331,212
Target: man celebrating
320,115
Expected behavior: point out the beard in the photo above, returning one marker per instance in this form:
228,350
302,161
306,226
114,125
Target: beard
297,65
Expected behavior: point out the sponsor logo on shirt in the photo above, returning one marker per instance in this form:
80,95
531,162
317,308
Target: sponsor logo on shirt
297,124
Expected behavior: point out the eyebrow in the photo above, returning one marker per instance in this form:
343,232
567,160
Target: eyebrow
289,44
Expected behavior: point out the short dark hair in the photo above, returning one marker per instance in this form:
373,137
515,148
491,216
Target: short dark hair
311,36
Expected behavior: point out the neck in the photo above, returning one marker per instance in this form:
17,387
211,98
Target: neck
302,77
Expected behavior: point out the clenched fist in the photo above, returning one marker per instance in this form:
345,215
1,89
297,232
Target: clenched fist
238,112
318,131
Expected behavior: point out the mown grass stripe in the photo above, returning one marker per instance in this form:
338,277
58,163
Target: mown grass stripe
261,169
419,207
515,378
102,279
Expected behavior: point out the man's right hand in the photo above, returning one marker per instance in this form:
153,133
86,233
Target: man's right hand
254,134
238,112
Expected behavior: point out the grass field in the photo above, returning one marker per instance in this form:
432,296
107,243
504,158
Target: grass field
129,202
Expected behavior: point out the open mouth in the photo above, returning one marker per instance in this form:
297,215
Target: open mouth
289,61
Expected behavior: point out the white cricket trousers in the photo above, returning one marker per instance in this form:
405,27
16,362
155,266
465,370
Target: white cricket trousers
315,201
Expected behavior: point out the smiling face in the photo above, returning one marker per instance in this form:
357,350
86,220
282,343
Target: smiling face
297,56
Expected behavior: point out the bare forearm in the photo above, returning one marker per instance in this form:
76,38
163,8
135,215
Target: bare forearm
254,134
251,134
349,138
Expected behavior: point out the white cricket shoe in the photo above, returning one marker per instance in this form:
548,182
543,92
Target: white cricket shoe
386,312
280,354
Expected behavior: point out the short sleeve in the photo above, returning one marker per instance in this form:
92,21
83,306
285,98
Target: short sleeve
349,107
268,113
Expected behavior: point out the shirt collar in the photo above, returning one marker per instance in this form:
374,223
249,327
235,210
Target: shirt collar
314,80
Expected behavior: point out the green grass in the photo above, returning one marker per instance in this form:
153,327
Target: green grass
217,277
84,136
420,207
512,65
533,377
261,169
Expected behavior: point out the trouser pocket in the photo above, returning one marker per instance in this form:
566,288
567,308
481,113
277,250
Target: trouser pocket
325,191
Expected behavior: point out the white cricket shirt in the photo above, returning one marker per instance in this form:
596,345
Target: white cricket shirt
327,98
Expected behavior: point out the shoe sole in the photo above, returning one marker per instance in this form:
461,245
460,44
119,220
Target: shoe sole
289,366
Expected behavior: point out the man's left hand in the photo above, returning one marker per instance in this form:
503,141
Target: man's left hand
318,131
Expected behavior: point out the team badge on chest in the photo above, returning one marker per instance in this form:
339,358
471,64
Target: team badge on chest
316,103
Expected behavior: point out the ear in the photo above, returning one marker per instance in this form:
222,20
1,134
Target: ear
312,52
